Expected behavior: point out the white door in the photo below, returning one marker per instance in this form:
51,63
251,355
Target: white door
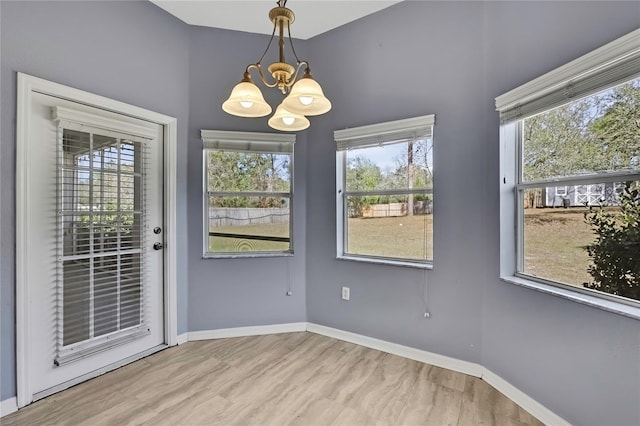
94,214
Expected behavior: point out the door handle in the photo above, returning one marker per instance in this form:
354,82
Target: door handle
157,246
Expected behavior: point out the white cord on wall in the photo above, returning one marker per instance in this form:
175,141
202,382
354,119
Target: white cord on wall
425,295
289,292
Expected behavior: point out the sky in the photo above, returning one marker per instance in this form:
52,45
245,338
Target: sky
386,157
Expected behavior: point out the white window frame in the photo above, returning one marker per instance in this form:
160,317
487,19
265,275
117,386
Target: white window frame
610,65
274,143
367,136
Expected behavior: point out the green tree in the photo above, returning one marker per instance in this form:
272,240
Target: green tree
599,132
616,251
411,171
558,143
618,129
362,175
247,171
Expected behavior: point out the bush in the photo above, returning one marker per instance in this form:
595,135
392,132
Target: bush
616,251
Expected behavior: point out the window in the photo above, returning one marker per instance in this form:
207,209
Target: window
248,193
385,192
574,142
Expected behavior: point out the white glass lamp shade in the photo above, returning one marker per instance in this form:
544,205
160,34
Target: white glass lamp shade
288,122
307,98
246,101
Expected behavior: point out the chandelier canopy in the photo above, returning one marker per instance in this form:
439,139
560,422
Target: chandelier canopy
304,95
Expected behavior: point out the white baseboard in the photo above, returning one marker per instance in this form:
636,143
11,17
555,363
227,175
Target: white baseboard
536,409
182,338
438,360
8,406
247,331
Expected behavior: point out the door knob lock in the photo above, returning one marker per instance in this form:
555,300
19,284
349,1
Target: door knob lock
157,246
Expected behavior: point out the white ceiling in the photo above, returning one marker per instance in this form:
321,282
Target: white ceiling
313,17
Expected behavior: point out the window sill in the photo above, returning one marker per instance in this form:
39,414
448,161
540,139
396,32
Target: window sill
585,299
381,261
245,256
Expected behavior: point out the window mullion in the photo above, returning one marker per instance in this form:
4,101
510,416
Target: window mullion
425,191
249,194
582,180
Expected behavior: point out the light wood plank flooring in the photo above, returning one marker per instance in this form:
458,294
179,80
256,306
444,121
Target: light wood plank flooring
282,379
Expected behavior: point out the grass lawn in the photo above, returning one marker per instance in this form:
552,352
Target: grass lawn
555,241
555,244
392,236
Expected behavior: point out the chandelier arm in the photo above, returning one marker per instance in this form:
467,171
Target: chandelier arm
273,33
258,67
294,76
293,49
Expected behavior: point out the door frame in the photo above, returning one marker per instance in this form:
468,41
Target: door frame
27,85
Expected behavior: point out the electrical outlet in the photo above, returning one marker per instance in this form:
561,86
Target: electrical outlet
346,293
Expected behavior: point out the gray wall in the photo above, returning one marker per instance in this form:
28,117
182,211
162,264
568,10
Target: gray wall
239,292
452,59
406,61
129,51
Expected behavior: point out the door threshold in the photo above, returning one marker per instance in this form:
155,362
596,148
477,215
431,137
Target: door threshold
95,373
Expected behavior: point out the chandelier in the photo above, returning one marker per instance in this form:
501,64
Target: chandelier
304,96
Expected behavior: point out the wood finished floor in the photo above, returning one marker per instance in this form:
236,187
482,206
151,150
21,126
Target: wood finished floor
282,379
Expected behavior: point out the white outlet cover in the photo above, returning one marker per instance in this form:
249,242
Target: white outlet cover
346,293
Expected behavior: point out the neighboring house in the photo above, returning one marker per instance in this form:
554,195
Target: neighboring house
579,195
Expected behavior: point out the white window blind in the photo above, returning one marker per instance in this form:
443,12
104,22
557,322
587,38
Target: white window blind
381,133
101,268
612,64
247,141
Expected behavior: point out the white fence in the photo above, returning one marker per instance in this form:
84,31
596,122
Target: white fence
227,216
